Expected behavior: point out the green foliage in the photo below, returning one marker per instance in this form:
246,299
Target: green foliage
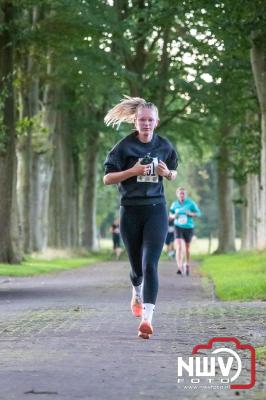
231,97
261,353
240,276
201,39
191,58
24,125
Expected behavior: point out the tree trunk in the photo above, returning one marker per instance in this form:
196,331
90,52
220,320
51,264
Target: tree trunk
134,60
24,170
226,217
89,236
29,109
10,250
163,72
243,217
64,195
43,146
42,176
258,62
250,210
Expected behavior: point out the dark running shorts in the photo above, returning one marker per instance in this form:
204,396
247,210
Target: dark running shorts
170,238
116,240
184,233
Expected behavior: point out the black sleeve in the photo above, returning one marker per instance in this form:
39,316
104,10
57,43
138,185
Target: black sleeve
172,159
113,161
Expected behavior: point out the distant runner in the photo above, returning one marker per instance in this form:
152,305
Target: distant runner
183,211
170,238
115,230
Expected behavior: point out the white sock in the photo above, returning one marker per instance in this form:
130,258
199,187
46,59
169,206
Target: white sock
137,291
148,310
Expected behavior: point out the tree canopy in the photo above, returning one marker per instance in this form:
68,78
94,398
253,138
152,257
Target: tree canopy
200,62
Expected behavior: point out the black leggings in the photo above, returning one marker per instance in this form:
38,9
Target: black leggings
143,230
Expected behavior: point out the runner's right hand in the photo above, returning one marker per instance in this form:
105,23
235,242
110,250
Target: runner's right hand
139,169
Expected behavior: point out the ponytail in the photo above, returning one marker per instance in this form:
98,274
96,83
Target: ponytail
126,111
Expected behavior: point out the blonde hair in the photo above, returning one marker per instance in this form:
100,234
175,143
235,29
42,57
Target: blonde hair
181,189
126,110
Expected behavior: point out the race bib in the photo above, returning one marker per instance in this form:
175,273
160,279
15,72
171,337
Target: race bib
151,177
182,219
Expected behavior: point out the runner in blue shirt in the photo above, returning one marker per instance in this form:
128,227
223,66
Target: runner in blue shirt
183,211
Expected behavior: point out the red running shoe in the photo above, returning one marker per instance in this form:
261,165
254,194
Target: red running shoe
143,335
145,328
136,306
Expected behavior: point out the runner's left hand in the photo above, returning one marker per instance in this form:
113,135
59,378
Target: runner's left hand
162,169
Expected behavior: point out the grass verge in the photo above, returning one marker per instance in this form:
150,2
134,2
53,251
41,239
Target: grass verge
261,358
261,353
238,276
34,266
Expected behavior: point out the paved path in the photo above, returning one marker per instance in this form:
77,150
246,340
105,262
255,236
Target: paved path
71,336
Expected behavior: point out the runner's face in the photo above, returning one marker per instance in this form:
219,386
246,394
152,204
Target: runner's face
181,194
145,123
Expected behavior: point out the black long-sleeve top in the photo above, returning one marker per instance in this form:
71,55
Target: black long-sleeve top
141,190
